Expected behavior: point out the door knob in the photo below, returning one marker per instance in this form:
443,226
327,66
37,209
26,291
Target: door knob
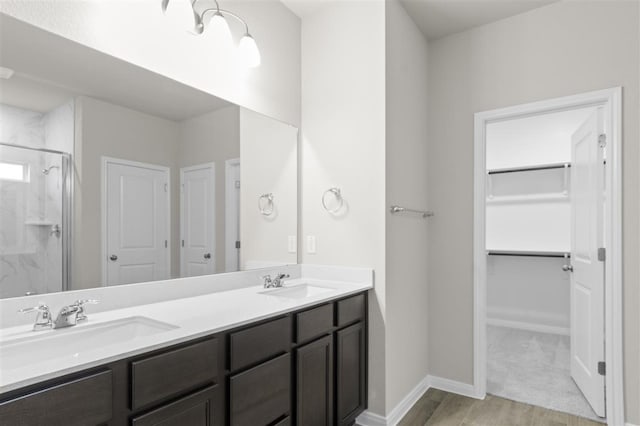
207,255
113,257
567,268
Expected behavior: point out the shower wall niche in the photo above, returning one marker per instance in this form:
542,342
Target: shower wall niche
35,199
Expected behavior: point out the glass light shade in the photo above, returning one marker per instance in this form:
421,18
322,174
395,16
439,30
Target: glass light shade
217,28
180,14
249,52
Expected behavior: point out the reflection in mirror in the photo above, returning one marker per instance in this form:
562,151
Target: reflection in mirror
102,184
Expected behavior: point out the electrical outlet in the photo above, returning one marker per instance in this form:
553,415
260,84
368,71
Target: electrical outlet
292,244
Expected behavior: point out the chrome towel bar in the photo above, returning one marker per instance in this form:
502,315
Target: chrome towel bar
399,209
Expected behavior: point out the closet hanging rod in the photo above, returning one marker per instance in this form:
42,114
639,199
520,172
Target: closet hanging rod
399,209
528,254
529,168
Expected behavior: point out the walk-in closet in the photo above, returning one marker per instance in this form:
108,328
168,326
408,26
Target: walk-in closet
531,229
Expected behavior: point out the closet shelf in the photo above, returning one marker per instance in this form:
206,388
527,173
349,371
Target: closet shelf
530,198
529,253
529,168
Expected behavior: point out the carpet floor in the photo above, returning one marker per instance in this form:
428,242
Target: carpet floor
533,367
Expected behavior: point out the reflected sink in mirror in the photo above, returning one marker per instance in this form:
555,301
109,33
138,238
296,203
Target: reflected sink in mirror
73,342
300,291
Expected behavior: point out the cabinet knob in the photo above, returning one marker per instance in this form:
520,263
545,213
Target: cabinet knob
567,268
113,257
207,255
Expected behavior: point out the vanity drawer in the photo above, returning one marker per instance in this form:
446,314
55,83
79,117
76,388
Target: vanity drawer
81,402
262,394
314,322
350,310
199,409
174,372
259,343
284,422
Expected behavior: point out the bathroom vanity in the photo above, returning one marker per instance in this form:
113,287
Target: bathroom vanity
299,359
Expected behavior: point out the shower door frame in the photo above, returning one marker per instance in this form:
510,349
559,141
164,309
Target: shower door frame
67,208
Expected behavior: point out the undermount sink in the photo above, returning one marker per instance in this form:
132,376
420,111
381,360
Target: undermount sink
300,291
73,342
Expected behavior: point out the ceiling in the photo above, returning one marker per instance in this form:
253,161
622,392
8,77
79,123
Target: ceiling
439,18
50,69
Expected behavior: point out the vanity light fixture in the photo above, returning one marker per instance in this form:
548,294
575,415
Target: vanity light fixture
214,19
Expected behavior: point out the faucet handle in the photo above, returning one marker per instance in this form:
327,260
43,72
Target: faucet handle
81,302
40,308
267,280
81,316
43,320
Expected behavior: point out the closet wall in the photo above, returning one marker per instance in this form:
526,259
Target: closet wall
528,220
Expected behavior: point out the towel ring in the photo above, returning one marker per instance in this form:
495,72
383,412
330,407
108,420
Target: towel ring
265,204
337,194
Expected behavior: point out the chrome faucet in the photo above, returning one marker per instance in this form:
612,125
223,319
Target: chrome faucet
43,319
275,282
68,316
72,314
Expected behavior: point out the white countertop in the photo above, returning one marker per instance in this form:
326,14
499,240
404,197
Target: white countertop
193,317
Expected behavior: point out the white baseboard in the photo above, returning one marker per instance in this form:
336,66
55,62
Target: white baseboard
529,326
371,419
629,424
402,408
453,386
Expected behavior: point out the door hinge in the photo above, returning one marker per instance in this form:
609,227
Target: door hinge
602,140
237,244
602,368
237,184
602,254
165,244
166,187
182,243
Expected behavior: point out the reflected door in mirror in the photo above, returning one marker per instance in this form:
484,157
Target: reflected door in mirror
137,222
197,220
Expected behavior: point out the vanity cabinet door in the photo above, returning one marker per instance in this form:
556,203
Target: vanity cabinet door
314,383
261,395
199,409
350,373
86,401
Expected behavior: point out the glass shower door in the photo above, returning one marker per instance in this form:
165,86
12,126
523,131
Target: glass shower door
34,209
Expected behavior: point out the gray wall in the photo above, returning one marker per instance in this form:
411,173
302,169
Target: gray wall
104,129
212,137
406,184
561,49
343,144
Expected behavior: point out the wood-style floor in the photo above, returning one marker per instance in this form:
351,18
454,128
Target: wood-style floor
439,408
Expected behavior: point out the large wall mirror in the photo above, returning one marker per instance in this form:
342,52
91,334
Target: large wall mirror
111,174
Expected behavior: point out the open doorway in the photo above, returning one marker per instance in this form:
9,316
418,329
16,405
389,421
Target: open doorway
547,255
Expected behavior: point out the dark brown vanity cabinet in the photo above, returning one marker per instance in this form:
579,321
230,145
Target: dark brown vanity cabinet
80,401
351,359
314,383
351,391
306,368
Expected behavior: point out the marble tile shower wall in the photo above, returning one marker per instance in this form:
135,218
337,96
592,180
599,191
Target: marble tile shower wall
30,254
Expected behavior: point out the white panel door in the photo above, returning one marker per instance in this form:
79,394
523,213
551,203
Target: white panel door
137,222
587,278
197,220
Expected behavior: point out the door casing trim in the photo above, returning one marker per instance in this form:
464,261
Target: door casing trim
611,101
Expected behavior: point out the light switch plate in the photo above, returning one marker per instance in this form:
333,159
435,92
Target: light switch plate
311,244
292,244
